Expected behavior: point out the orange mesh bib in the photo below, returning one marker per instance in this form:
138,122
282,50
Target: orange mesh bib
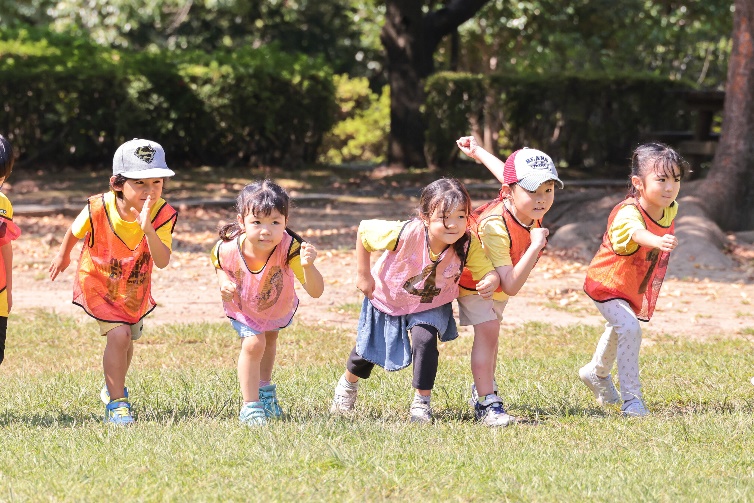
113,282
635,278
519,236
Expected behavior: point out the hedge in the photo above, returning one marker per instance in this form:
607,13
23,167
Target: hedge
580,120
68,101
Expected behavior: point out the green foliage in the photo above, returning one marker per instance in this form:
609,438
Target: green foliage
185,393
679,40
580,120
454,105
360,135
72,101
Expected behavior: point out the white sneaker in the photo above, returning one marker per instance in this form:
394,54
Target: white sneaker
602,387
634,408
345,398
421,411
490,412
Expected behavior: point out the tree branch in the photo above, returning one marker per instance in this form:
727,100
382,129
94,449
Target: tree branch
443,21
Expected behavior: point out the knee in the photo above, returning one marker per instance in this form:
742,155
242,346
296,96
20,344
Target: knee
271,337
253,347
120,337
424,336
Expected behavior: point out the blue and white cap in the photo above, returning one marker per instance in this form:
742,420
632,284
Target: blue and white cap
141,159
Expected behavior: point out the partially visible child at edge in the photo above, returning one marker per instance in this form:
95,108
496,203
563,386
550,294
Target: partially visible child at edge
256,260
411,289
9,232
127,230
625,276
510,229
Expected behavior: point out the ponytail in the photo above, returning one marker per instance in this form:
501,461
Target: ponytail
229,232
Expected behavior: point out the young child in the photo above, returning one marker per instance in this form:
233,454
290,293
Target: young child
411,289
510,229
625,276
127,230
9,232
256,260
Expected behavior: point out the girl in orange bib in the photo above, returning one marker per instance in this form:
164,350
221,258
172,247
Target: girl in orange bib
625,276
256,260
126,231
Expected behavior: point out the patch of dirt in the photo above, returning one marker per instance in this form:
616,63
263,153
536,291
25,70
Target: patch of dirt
714,302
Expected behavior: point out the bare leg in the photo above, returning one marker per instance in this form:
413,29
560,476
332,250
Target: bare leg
249,363
115,360
484,355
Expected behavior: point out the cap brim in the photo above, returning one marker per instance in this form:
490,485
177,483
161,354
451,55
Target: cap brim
148,173
532,183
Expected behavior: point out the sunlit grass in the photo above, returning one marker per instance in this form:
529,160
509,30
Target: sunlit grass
187,443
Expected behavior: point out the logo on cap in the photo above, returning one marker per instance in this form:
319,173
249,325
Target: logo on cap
145,153
539,162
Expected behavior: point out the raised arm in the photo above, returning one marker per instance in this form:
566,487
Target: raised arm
471,148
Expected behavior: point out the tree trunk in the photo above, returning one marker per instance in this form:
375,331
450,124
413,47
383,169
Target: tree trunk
727,194
410,38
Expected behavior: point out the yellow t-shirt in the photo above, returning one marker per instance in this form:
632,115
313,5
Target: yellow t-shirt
6,210
379,235
295,262
628,220
128,231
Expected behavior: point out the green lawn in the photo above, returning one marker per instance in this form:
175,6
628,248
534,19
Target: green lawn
187,443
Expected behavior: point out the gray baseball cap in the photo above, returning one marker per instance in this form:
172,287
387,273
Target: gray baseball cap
141,159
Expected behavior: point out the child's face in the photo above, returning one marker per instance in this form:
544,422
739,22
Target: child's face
263,232
136,190
447,227
529,206
658,190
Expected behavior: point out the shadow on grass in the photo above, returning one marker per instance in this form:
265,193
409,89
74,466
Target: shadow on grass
48,419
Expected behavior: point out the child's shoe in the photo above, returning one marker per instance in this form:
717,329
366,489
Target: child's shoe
345,396
118,412
602,387
253,414
421,411
268,396
475,396
634,408
104,395
490,411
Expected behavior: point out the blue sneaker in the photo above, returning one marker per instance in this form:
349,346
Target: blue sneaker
253,414
118,412
268,396
490,411
104,395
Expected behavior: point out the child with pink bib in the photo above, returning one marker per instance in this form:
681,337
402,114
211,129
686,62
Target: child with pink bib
410,290
256,260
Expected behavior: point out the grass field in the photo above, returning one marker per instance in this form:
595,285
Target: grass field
187,444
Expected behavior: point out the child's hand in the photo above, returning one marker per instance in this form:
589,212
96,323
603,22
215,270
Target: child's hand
308,254
143,216
468,146
486,287
668,242
228,291
59,264
539,237
365,283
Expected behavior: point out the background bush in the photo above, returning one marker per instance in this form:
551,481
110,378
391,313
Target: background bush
580,120
69,101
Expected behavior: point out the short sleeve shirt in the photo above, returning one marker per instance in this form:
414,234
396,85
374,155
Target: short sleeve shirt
628,220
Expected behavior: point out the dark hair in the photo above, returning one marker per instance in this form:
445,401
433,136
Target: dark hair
657,158
6,157
259,198
118,180
444,195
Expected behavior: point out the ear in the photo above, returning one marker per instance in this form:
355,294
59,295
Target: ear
506,192
112,183
239,219
637,183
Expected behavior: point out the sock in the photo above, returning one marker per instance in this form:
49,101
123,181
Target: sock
262,384
347,384
422,398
